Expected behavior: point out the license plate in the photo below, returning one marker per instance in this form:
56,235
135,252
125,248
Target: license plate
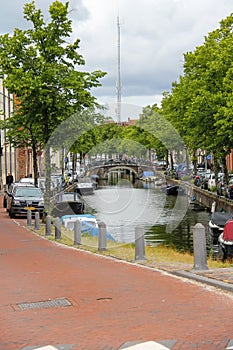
29,208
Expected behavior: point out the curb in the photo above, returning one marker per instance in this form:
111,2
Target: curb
206,280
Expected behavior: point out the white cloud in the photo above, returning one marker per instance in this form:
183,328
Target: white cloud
154,36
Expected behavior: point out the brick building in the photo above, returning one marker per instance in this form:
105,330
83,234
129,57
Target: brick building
229,160
7,152
18,161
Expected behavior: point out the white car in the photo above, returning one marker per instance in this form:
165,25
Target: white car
28,180
212,181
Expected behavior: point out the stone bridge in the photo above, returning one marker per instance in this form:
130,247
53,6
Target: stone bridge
134,170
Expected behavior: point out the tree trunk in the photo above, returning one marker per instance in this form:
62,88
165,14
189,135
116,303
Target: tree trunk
47,197
224,169
35,164
171,161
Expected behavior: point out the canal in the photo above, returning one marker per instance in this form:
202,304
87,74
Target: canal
167,219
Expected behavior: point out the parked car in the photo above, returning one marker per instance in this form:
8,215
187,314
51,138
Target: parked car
229,189
205,180
221,186
7,198
6,193
23,198
26,180
211,182
198,180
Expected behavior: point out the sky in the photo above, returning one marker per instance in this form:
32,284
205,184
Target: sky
154,36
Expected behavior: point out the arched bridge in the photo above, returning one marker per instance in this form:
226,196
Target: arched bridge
136,170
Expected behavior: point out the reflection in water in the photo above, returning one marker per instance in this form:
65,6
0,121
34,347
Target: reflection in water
125,206
182,236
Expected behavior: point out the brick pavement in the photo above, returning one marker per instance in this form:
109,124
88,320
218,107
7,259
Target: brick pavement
110,303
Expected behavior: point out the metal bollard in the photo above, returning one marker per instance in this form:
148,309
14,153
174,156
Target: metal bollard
57,224
139,244
37,222
29,217
47,226
199,247
102,236
77,232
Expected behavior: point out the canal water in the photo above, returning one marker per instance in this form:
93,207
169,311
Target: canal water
167,219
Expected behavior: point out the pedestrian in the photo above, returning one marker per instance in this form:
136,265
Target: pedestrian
9,180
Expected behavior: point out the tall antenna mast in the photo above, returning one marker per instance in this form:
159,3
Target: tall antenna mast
118,71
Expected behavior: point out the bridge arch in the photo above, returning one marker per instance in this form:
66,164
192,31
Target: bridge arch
133,170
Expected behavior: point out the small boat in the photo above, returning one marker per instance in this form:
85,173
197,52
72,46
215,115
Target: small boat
89,224
85,186
67,203
216,225
88,221
226,241
215,230
174,190
148,176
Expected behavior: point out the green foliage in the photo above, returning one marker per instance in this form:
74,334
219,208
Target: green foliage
40,67
112,138
213,189
200,104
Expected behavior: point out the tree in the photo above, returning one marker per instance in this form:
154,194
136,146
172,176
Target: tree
163,135
40,66
200,104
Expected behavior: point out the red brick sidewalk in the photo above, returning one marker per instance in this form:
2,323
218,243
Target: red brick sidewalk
109,302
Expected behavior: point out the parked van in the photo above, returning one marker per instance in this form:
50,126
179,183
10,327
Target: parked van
211,181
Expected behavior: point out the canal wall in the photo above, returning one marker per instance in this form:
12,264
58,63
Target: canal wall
208,199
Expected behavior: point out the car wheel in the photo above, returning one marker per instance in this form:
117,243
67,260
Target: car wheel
11,215
4,203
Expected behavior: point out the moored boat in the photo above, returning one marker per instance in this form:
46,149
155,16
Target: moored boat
85,186
89,224
226,241
215,230
174,190
67,203
216,225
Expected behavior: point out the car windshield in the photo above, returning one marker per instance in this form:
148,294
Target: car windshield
28,192
27,180
84,180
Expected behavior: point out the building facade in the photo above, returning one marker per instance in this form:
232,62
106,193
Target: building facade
15,161
230,161
8,158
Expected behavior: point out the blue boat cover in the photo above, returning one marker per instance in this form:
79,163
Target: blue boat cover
148,173
87,227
